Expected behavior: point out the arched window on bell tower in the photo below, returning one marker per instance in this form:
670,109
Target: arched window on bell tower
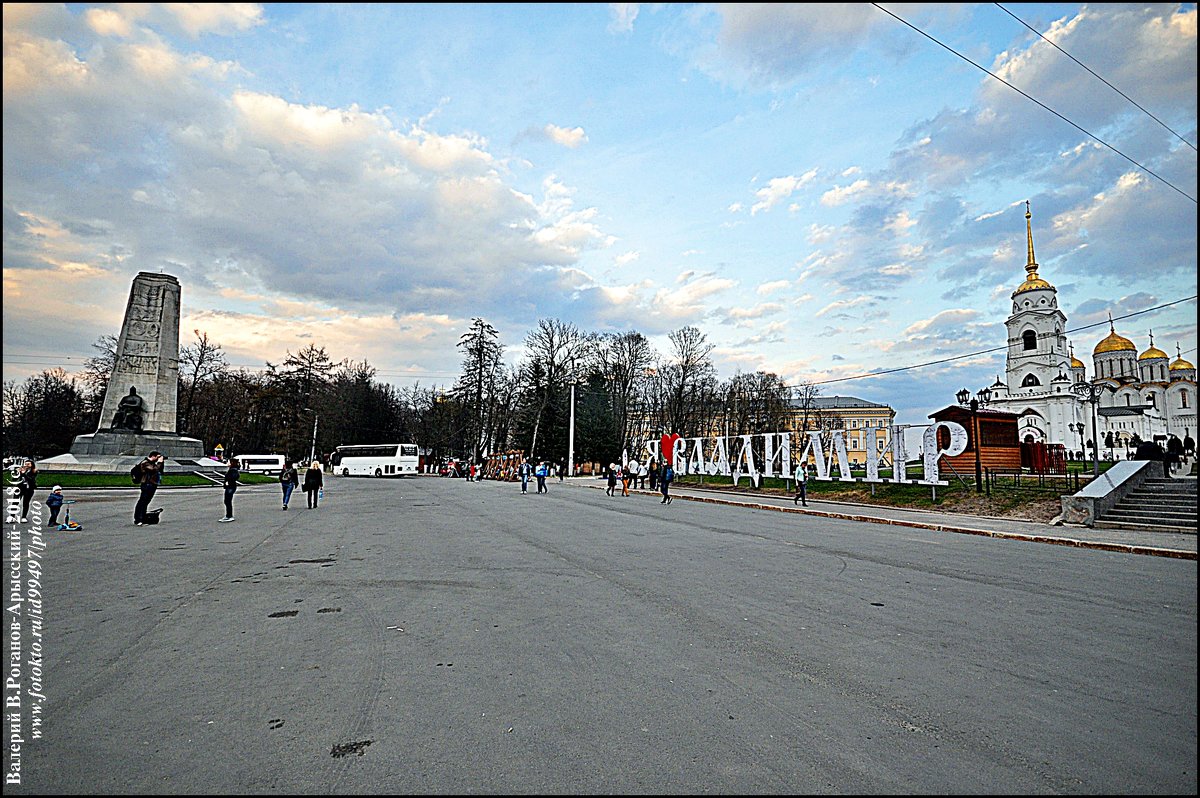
1029,337
1030,380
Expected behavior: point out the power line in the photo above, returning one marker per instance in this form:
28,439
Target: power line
992,350
1035,100
1102,80
881,373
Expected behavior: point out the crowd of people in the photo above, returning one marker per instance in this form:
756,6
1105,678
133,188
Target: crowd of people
1175,454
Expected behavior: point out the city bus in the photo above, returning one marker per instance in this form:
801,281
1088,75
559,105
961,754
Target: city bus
376,460
261,463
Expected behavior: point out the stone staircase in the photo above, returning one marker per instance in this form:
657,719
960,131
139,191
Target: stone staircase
1159,505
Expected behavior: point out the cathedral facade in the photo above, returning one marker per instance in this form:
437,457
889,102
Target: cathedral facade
1145,394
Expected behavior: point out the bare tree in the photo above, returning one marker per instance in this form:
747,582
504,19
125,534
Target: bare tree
96,372
555,352
623,361
689,380
199,362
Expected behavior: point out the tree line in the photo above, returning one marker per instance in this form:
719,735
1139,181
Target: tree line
625,392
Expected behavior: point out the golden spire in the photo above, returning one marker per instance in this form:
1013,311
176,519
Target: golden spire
1032,281
1030,266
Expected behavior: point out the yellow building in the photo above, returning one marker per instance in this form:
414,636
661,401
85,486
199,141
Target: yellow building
864,423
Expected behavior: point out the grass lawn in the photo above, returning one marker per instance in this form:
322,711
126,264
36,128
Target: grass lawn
46,480
1025,500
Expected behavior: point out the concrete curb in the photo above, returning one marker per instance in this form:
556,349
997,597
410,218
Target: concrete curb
1123,548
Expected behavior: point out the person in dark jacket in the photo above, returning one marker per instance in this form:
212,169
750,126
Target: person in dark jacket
27,487
1174,453
289,480
55,502
668,476
231,486
150,479
313,481
1149,450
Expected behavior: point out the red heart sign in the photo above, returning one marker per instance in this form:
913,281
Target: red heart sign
665,444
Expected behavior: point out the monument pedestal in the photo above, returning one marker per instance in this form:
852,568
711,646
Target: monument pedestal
137,444
115,452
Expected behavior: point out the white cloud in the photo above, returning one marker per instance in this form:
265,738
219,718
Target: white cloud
840,195
771,287
779,189
622,16
842,305
570,138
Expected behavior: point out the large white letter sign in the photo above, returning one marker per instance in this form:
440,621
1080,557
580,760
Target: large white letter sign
899,456
872,456
745,457
930,452
784,454
837,449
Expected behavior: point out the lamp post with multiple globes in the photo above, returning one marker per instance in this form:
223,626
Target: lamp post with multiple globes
982,397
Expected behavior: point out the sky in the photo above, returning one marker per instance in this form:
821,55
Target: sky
823,190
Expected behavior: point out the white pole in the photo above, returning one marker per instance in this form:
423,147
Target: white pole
571,437
312,455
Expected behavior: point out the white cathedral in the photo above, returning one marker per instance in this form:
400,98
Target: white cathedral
1143,394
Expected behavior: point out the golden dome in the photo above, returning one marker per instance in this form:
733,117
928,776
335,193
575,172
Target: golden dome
1182,365
1032,283
1114,343
1076,363
1153,353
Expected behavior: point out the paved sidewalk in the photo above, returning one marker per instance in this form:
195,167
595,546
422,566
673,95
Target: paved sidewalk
1161,544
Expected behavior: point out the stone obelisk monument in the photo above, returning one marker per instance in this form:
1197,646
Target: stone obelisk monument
139,406
147,362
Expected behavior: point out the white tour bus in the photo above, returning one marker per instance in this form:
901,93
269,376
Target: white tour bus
378,460
261,463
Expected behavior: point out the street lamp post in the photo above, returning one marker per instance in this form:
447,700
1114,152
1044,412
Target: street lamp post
571,436
1091,392
982,397
1078,429
312,455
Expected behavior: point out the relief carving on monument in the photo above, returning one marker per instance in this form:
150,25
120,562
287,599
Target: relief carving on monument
138,364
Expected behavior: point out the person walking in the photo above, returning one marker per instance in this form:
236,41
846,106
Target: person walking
668,476
653,472
289,480
26,487
542,471
1174,453
801,485
612,479
313,482
523,471
231,486
626,478
149,477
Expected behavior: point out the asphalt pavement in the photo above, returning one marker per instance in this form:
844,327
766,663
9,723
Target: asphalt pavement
1133,541
428,635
